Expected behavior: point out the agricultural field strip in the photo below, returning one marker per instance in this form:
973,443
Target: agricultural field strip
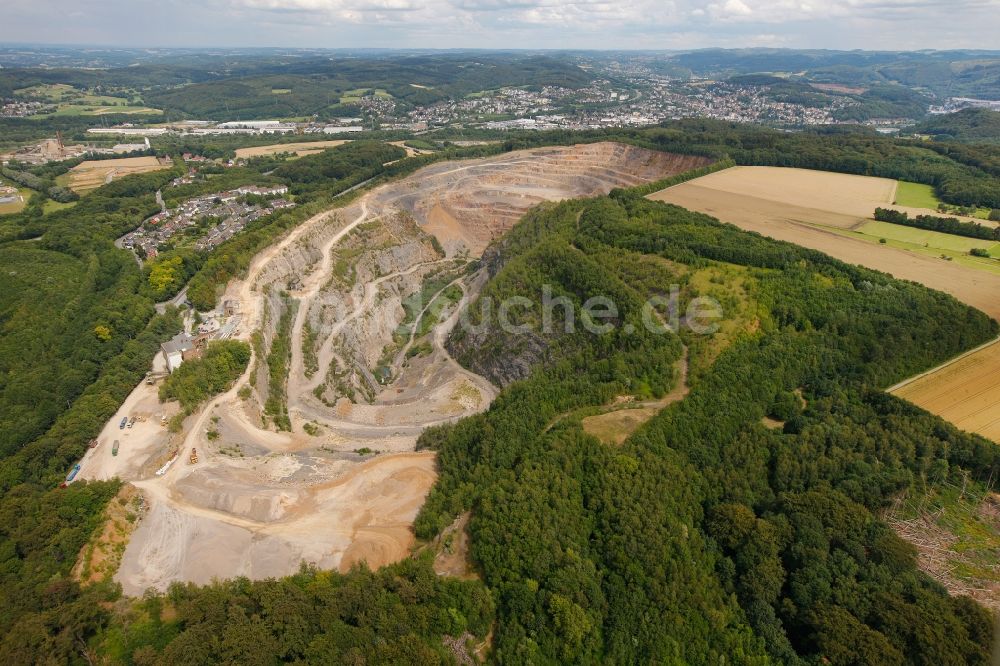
765,211
965,391
906,382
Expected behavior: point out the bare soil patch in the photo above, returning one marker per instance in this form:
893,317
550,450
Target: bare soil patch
92,174
299,149
614,427
452,547
100,558
955,532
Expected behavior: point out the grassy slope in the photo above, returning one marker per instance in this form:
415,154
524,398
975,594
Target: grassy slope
916,195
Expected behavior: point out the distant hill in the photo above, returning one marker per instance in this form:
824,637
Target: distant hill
969,125
943,73
273,87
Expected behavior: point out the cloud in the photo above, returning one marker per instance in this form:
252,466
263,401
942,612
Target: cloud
670,24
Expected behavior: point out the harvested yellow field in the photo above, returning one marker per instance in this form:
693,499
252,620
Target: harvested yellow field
841,195
299,149
818,210
965,392
92,174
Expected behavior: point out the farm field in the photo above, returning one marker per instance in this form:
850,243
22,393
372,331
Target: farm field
929,243
824,211
299,149
102,110
92,174
932,239
915,195
840,196
354,96
917,199
965,392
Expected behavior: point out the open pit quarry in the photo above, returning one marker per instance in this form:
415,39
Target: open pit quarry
316,462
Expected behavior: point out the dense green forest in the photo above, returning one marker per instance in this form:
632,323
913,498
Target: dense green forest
969,125
707,533
707,536
945,73
313,86
878,101
77,335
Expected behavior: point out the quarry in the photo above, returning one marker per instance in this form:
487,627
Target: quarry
317,463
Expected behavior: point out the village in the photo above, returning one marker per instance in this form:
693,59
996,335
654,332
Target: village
211,218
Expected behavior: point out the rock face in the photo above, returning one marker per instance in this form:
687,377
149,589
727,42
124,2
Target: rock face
502,359
379,273
467,205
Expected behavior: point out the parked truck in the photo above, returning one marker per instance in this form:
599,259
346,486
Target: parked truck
121,426
72,473
114,448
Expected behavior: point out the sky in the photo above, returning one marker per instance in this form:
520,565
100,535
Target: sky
531,24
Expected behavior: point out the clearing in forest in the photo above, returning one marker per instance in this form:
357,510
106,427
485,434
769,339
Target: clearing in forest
915,195
965,392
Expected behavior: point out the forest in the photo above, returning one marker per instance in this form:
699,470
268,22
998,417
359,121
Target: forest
199,379
242,87
968,125
945,225
708,533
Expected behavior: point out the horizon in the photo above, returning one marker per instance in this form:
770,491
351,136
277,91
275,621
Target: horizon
557,25
472,49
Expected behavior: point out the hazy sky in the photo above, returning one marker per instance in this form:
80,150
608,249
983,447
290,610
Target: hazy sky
647,24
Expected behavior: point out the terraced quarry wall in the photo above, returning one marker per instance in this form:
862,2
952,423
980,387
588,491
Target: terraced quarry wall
468,204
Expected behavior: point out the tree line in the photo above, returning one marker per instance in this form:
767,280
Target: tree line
945,225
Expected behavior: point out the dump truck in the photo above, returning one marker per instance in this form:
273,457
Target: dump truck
193,460
114,448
